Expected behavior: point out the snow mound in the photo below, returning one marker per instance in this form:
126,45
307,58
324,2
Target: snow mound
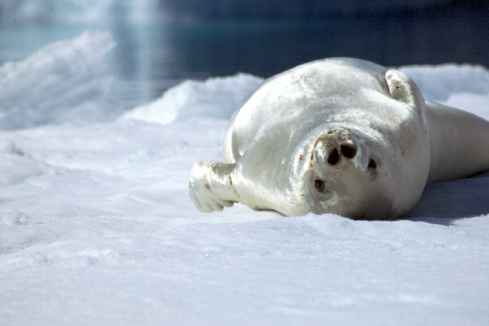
216,98
439,82
64,82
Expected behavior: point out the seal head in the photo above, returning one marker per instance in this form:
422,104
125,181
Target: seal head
341,171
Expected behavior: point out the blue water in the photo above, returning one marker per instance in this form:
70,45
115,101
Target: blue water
150,57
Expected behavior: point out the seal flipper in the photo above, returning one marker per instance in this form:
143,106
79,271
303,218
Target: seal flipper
403,89
459,142
211,186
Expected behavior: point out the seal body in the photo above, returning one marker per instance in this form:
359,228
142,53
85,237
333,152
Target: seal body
342,136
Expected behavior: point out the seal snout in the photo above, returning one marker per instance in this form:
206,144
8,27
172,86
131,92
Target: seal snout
335,146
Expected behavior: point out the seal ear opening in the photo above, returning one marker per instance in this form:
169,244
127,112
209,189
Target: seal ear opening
402,88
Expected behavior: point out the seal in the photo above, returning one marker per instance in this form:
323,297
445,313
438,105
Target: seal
342,136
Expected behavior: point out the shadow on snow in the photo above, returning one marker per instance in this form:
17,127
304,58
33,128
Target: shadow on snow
445,202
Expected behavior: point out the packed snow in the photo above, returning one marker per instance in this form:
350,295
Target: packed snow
96,227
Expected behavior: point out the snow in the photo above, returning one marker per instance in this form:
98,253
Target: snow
96,227
66,81
214,98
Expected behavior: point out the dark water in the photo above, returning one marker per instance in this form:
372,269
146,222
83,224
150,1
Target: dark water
150,57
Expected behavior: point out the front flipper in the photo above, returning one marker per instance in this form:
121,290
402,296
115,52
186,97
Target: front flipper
211,186
403,89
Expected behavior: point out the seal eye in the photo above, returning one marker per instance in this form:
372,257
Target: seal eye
372,165
319,185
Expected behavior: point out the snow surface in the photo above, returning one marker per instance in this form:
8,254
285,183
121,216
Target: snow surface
96,227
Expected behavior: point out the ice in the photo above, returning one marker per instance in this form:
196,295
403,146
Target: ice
96,227
67,81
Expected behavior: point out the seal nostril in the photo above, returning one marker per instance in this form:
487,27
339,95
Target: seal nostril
348,150
334,157
319,185
372,164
